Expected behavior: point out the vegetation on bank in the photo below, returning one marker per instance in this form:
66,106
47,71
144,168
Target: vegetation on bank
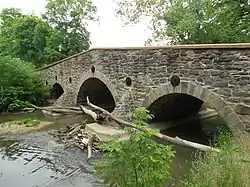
20,84
141,161
22,126
29,122
230,167
137,162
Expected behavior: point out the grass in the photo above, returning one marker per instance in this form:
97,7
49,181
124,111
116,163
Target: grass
229,168
29,122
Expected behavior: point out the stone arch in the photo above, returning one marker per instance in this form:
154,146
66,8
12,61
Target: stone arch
211,98
101,78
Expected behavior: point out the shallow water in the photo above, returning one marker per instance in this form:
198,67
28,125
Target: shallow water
38,159
58,122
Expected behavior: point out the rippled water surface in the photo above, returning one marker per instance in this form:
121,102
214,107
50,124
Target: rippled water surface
39,160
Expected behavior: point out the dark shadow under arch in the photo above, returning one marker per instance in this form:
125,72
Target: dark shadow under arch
175,106
98,94
171,105
178,107
56,91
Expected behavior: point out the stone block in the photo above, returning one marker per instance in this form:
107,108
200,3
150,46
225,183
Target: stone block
205,95
233,120
165,89
242,109
184,87
190,90
177,89
215,101
198,91
226,111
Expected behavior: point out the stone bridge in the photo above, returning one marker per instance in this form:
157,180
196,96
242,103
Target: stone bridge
171,81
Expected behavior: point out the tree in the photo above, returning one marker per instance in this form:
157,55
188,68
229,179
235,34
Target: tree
191,21
138,162
19,81
24,36
6,32
68,18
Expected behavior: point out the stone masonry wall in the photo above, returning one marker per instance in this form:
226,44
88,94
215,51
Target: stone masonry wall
223,69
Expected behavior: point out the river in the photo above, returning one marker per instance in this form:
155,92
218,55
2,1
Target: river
38,159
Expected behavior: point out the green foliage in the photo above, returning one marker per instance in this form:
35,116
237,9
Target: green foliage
24,36
68,17
17,105
139,161
61,33
19,82
230,167
29,122
191,21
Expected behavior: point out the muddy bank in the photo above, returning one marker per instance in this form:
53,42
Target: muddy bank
22,127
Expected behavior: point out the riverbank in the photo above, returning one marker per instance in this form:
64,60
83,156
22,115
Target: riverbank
22,126
230,167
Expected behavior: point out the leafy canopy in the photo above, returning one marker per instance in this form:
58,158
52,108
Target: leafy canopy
139,161
68,18
23,36
190,21
62,31
19,82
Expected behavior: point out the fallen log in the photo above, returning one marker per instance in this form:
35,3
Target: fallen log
65,110
95,116
89,112
161,136
78,136
90,143
75,129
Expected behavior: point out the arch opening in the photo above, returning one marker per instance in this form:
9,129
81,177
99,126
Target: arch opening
98,93
175,106
55,92
185,116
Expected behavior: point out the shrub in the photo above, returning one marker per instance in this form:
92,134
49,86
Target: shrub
139,161
16,105
19,81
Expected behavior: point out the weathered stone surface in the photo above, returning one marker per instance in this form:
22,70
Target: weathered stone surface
223,69
242,109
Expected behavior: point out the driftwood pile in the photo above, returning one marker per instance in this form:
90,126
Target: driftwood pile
77,136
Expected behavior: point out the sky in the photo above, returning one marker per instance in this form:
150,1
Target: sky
109,32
